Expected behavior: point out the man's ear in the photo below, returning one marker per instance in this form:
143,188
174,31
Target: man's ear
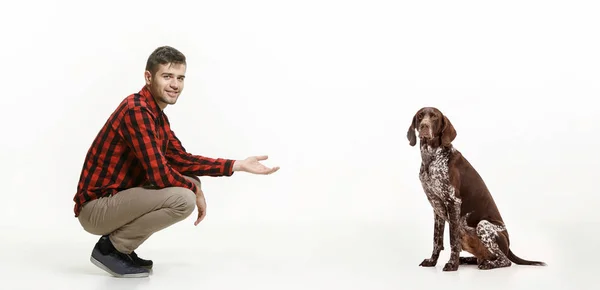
148,77
410,134
448,132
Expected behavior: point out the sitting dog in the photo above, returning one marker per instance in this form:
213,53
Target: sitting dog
458,196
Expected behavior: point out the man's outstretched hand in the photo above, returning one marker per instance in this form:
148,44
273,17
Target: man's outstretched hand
252,165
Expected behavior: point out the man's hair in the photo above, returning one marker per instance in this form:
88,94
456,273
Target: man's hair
164,55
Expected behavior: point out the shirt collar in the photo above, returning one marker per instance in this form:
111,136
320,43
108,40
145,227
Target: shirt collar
145,93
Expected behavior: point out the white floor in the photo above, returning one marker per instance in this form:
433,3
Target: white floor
330,256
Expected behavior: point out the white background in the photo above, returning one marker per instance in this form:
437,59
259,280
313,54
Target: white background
327,89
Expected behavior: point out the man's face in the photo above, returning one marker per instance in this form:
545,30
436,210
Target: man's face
166,84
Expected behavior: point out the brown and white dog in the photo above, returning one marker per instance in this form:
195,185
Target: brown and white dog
460,197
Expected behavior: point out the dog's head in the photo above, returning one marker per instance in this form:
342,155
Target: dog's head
432,126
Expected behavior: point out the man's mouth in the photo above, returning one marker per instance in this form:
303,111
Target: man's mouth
172,94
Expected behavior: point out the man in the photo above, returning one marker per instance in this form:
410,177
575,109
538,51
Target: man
137,177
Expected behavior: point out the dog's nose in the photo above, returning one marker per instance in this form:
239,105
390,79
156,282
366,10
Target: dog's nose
423,126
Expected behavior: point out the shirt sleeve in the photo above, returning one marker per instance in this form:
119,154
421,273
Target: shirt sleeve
138,129
192,164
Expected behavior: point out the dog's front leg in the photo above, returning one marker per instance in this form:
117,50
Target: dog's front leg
438,241
454,231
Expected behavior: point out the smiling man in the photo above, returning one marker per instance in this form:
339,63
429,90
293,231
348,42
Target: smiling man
138,179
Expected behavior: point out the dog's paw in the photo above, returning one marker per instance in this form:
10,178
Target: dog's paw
485,265
450,266
428,263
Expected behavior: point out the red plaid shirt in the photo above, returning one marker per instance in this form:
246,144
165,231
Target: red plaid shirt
136,147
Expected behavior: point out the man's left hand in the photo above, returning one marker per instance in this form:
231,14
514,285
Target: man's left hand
252,165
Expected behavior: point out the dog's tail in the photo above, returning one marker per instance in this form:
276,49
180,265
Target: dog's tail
519,261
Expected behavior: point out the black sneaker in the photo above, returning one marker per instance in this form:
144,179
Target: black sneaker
107,258
141,262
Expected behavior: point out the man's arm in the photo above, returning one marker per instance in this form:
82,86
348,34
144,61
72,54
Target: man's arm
197,165
138,130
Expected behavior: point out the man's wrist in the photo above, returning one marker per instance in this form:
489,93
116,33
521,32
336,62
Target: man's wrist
236,166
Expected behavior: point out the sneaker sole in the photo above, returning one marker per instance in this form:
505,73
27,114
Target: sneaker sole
101,266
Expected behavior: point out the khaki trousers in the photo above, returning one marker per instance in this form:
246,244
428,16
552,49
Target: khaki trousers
133,215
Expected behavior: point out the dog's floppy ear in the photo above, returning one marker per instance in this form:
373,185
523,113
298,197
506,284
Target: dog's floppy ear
448,131
411,135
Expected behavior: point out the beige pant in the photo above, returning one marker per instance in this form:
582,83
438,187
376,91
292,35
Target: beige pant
133,215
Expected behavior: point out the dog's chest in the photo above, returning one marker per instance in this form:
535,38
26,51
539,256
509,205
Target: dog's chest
435,178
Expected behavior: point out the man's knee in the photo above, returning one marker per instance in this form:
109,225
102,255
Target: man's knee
183,201
90,227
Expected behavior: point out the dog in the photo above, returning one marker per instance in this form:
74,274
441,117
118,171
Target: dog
460,197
